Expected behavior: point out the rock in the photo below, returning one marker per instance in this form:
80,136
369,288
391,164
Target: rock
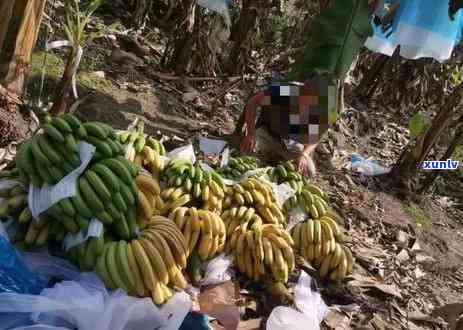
422,258
403,256
98,74
402,239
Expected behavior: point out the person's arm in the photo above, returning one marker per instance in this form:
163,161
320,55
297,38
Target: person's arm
249,141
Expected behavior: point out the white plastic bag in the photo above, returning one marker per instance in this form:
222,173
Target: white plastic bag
312,309
211,147
86,305
186,152
217,270
95,229
174,311
295,216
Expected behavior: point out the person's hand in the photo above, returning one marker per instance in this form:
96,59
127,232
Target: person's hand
305,165
249,142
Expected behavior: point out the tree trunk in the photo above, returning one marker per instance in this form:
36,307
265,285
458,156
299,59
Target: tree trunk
184,41
61,99
457,140
408,165
19,28
242,35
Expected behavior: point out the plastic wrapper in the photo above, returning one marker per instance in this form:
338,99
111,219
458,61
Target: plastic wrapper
367,167
84,304
295,216
211,147
312,309
48,267
15,276
186,152
218,270
42,198
95,229
174,311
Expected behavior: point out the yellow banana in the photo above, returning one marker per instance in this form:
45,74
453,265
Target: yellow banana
155,258
144,264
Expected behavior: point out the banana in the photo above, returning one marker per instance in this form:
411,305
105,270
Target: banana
349,259
90,196
140,288
102,270
93,128
148,183
158,264
268,251
144,264
52,132
145,205
112,266
325,266
332,223
304,239
164,250
317,232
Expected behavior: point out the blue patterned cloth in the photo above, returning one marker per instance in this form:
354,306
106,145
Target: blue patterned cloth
422,28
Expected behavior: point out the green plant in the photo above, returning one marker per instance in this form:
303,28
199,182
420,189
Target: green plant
419,215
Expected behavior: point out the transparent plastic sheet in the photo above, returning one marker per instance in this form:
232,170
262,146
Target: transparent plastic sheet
217,270
367,167
84,304
49,267
312,309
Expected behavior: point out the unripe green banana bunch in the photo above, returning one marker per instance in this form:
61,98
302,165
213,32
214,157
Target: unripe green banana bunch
85,255
49,156
236,167
206,188
14,201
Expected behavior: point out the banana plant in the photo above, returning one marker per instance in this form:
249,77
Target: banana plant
77,19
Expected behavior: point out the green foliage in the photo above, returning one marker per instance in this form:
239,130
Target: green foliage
337,35
419,215
77,19
417,125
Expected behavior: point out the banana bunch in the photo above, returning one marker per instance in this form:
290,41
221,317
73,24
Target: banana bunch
185,178
150,202
311,199
13,200
86,254
148,265
49,156
319,242
255,193
236,167
261,249
106,191
203,230
135,143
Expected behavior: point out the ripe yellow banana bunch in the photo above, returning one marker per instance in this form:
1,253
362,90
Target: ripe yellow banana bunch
259,248
173,198
202,229
151,160
149,198
318,241
147,266
257,194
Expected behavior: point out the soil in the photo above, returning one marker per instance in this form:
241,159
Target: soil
13,126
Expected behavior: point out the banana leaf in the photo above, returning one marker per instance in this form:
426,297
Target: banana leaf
336,37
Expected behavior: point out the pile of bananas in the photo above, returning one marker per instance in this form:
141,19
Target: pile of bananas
29,232
255,193
203,230
143,150
236,167
150,202
149,265
308,196
47,157
185,179
319,241
262,249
